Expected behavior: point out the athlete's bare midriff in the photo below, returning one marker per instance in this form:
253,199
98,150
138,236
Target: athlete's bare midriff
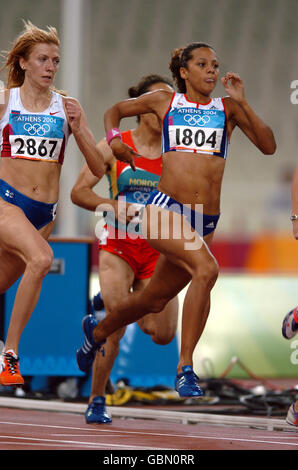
193,178
35,179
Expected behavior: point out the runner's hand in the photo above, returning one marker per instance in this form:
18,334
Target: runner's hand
73,114
123,152
124,211
234,86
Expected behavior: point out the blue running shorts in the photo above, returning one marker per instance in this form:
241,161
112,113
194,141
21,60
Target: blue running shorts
38,213
197,220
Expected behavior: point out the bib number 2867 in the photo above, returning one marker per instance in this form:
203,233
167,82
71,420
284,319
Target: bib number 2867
43,148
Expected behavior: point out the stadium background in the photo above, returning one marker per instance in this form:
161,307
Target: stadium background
107,45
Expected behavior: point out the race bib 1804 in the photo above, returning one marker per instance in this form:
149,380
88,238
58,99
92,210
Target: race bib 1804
196,129
35,136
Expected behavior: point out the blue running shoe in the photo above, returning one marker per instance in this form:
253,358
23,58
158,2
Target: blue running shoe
290,324
86,354
96,411
187,383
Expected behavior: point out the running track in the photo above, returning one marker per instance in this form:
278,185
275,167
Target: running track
47,430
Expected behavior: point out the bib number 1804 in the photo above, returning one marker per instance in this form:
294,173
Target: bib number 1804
198,137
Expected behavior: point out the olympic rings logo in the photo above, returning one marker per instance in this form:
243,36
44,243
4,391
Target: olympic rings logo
36,129
142,198
196,120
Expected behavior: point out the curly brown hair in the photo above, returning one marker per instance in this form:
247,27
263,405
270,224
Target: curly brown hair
179,58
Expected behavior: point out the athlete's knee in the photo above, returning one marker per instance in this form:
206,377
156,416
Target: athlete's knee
207,273
157,304
151,328
162,337
41,262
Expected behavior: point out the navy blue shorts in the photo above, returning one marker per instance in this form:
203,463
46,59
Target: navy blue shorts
39,213
199,222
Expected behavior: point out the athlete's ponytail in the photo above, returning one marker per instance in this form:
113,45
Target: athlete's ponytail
174,66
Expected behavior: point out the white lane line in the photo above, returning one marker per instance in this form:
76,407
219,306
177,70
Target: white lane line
105,430
40,444
85,444
261,441
197,437
248,440
281,437
86,435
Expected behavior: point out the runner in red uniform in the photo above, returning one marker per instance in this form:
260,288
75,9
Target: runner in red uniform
132,187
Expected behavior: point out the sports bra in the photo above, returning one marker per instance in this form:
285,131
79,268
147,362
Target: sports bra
34,136
195,127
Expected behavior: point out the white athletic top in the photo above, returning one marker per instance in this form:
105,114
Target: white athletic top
195,127
34,136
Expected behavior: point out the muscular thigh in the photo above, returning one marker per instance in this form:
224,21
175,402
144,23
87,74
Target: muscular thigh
170,234
18,242
169,278
167,281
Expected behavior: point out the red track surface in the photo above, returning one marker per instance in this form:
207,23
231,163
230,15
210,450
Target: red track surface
41,430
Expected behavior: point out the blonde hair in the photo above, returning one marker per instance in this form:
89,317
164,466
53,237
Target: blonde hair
22,47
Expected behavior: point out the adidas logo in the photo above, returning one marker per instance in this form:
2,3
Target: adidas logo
211,225
9,193
213,107
182,380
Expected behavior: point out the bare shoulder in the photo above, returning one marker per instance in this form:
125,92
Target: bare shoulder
228,102
231,106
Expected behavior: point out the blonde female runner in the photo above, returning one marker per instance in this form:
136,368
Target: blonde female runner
35,124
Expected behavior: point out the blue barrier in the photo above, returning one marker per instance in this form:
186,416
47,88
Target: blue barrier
53,334
141,362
